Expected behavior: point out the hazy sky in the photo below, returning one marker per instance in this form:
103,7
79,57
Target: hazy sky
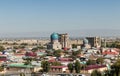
42,17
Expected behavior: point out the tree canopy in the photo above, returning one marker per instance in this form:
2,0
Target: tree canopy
91,62
70,67
116,67
57,53
45,65
100,60
96,73
77,66
2,48
56,63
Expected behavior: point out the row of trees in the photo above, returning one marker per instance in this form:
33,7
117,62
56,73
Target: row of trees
99,60
115,44
116,68
74,66
71,66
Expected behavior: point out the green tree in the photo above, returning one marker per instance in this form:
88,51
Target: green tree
70,67
21,46
28,61
115,44
100,60
91,62
41,47
77,66
34,49
15,47
56,63
57,53
116,67
14,43
22,74
74,46
96,73
75,53
108,73
2,48
24,44
118,46
45,65
37,48
14,51
1,68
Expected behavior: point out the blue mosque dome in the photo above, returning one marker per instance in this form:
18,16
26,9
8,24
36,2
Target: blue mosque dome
54,36
85,41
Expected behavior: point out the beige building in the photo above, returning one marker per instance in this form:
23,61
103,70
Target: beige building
63,39
94,41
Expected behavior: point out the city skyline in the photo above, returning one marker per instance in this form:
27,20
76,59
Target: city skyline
31,18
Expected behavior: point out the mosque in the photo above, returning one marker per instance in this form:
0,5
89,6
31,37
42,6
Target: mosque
54,44
58,41
86,44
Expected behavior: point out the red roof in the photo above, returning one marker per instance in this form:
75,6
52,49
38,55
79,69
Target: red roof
3,59
19,54
94,67
57,67
52,60
65,59
65,48
32,54
110,53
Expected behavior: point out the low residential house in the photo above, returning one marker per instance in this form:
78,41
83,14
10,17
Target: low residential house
93,51
22,51
63,61
21,67
91,56
16,57
3,58
40,53
58,69
49,58
111,51
91,68
30,54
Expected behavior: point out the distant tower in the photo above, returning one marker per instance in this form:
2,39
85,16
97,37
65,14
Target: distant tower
104,43
94,41
63,39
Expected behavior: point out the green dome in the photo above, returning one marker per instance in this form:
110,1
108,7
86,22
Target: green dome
54,36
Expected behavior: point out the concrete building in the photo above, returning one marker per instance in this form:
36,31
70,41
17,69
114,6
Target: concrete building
63,39
94,41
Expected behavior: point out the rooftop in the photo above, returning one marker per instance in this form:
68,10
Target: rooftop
20,65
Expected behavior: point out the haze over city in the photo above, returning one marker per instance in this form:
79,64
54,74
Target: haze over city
40,18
